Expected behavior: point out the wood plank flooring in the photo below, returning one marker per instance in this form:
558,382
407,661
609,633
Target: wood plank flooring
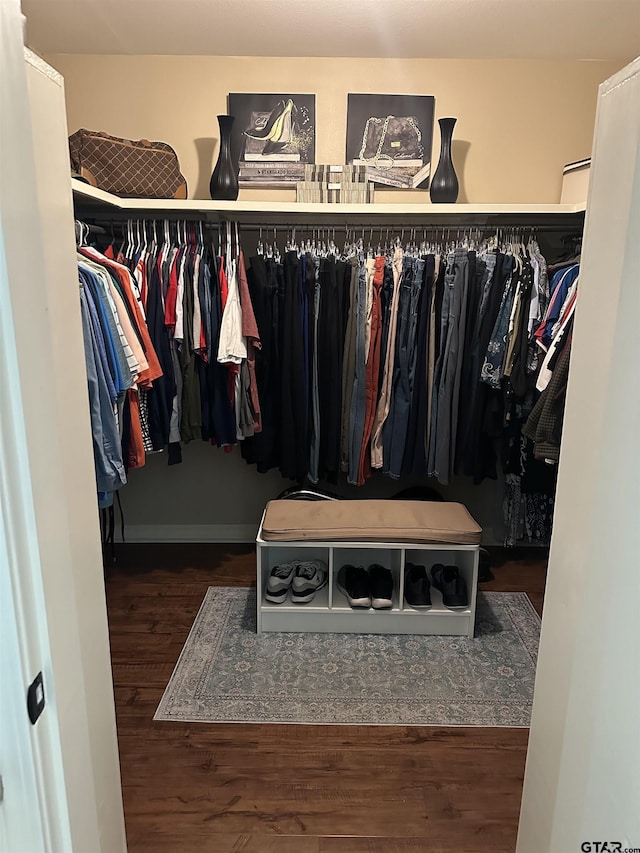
291,789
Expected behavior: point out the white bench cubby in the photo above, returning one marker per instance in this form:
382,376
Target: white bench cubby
329,612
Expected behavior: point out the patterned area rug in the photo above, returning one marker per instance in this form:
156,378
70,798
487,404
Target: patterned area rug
227,673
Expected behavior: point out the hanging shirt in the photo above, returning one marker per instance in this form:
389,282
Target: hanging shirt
100,281
560,286
232,348
123,276
170,304
131,349
252,339
179,318
546,372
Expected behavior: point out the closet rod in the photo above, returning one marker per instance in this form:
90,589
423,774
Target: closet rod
452,228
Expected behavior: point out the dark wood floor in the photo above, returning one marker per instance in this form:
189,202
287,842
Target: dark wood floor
291,789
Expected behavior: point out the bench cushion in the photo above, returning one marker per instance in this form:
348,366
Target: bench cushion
370,521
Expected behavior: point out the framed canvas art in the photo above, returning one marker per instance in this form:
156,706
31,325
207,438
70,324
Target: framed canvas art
273,137
391,135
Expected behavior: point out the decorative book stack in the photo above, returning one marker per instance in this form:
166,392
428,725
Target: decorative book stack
347,184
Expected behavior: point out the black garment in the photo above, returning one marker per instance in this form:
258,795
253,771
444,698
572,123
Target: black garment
477,269
519,379
160,395
386,297
191,413
439,285
294,459
493,404
125,439
222,420
477,453
415,455
309,285
303,296
263,449
333,275
204,296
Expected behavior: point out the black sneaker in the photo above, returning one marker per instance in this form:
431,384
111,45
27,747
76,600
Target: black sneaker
453,588
381,586
417,589
353,583
311,575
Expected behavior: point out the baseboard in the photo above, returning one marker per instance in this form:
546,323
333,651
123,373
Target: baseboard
247,533
190,533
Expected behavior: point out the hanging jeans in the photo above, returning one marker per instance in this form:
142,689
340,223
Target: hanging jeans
450,375
348,364
386,295
477,275
433,347
386,384
294,461
359,395
395,428
373,371
415,457
443,297
489,306
462,282
332,276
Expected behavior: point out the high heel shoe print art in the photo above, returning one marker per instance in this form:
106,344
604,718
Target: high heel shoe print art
288,128
278,126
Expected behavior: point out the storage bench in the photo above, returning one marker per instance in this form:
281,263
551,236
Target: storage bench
391,533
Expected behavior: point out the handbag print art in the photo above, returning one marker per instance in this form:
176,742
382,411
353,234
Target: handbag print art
393,140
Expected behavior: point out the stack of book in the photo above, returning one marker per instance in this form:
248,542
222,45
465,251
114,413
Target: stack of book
276,173
346,184
402,177
268,162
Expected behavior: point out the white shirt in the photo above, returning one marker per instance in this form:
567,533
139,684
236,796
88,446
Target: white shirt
233,346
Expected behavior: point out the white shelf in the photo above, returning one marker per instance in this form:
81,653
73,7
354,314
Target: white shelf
93,200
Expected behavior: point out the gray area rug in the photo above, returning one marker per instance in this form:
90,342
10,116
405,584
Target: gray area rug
227,673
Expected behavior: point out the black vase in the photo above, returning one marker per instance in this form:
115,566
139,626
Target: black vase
223,185
444,184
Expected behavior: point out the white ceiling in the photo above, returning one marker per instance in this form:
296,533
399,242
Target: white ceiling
500,29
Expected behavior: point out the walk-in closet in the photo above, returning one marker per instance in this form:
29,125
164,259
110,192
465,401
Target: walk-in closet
319,418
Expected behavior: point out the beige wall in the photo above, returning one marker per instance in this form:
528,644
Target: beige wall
519,122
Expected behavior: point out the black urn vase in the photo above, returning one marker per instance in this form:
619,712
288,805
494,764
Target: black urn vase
223,185
444,184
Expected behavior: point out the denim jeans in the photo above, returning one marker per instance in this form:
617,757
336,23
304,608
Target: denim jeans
440,360
417,274
359,396
447,407
388,356
348,367
415,458
395,429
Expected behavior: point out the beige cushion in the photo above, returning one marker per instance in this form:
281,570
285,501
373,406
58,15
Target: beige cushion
370,521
